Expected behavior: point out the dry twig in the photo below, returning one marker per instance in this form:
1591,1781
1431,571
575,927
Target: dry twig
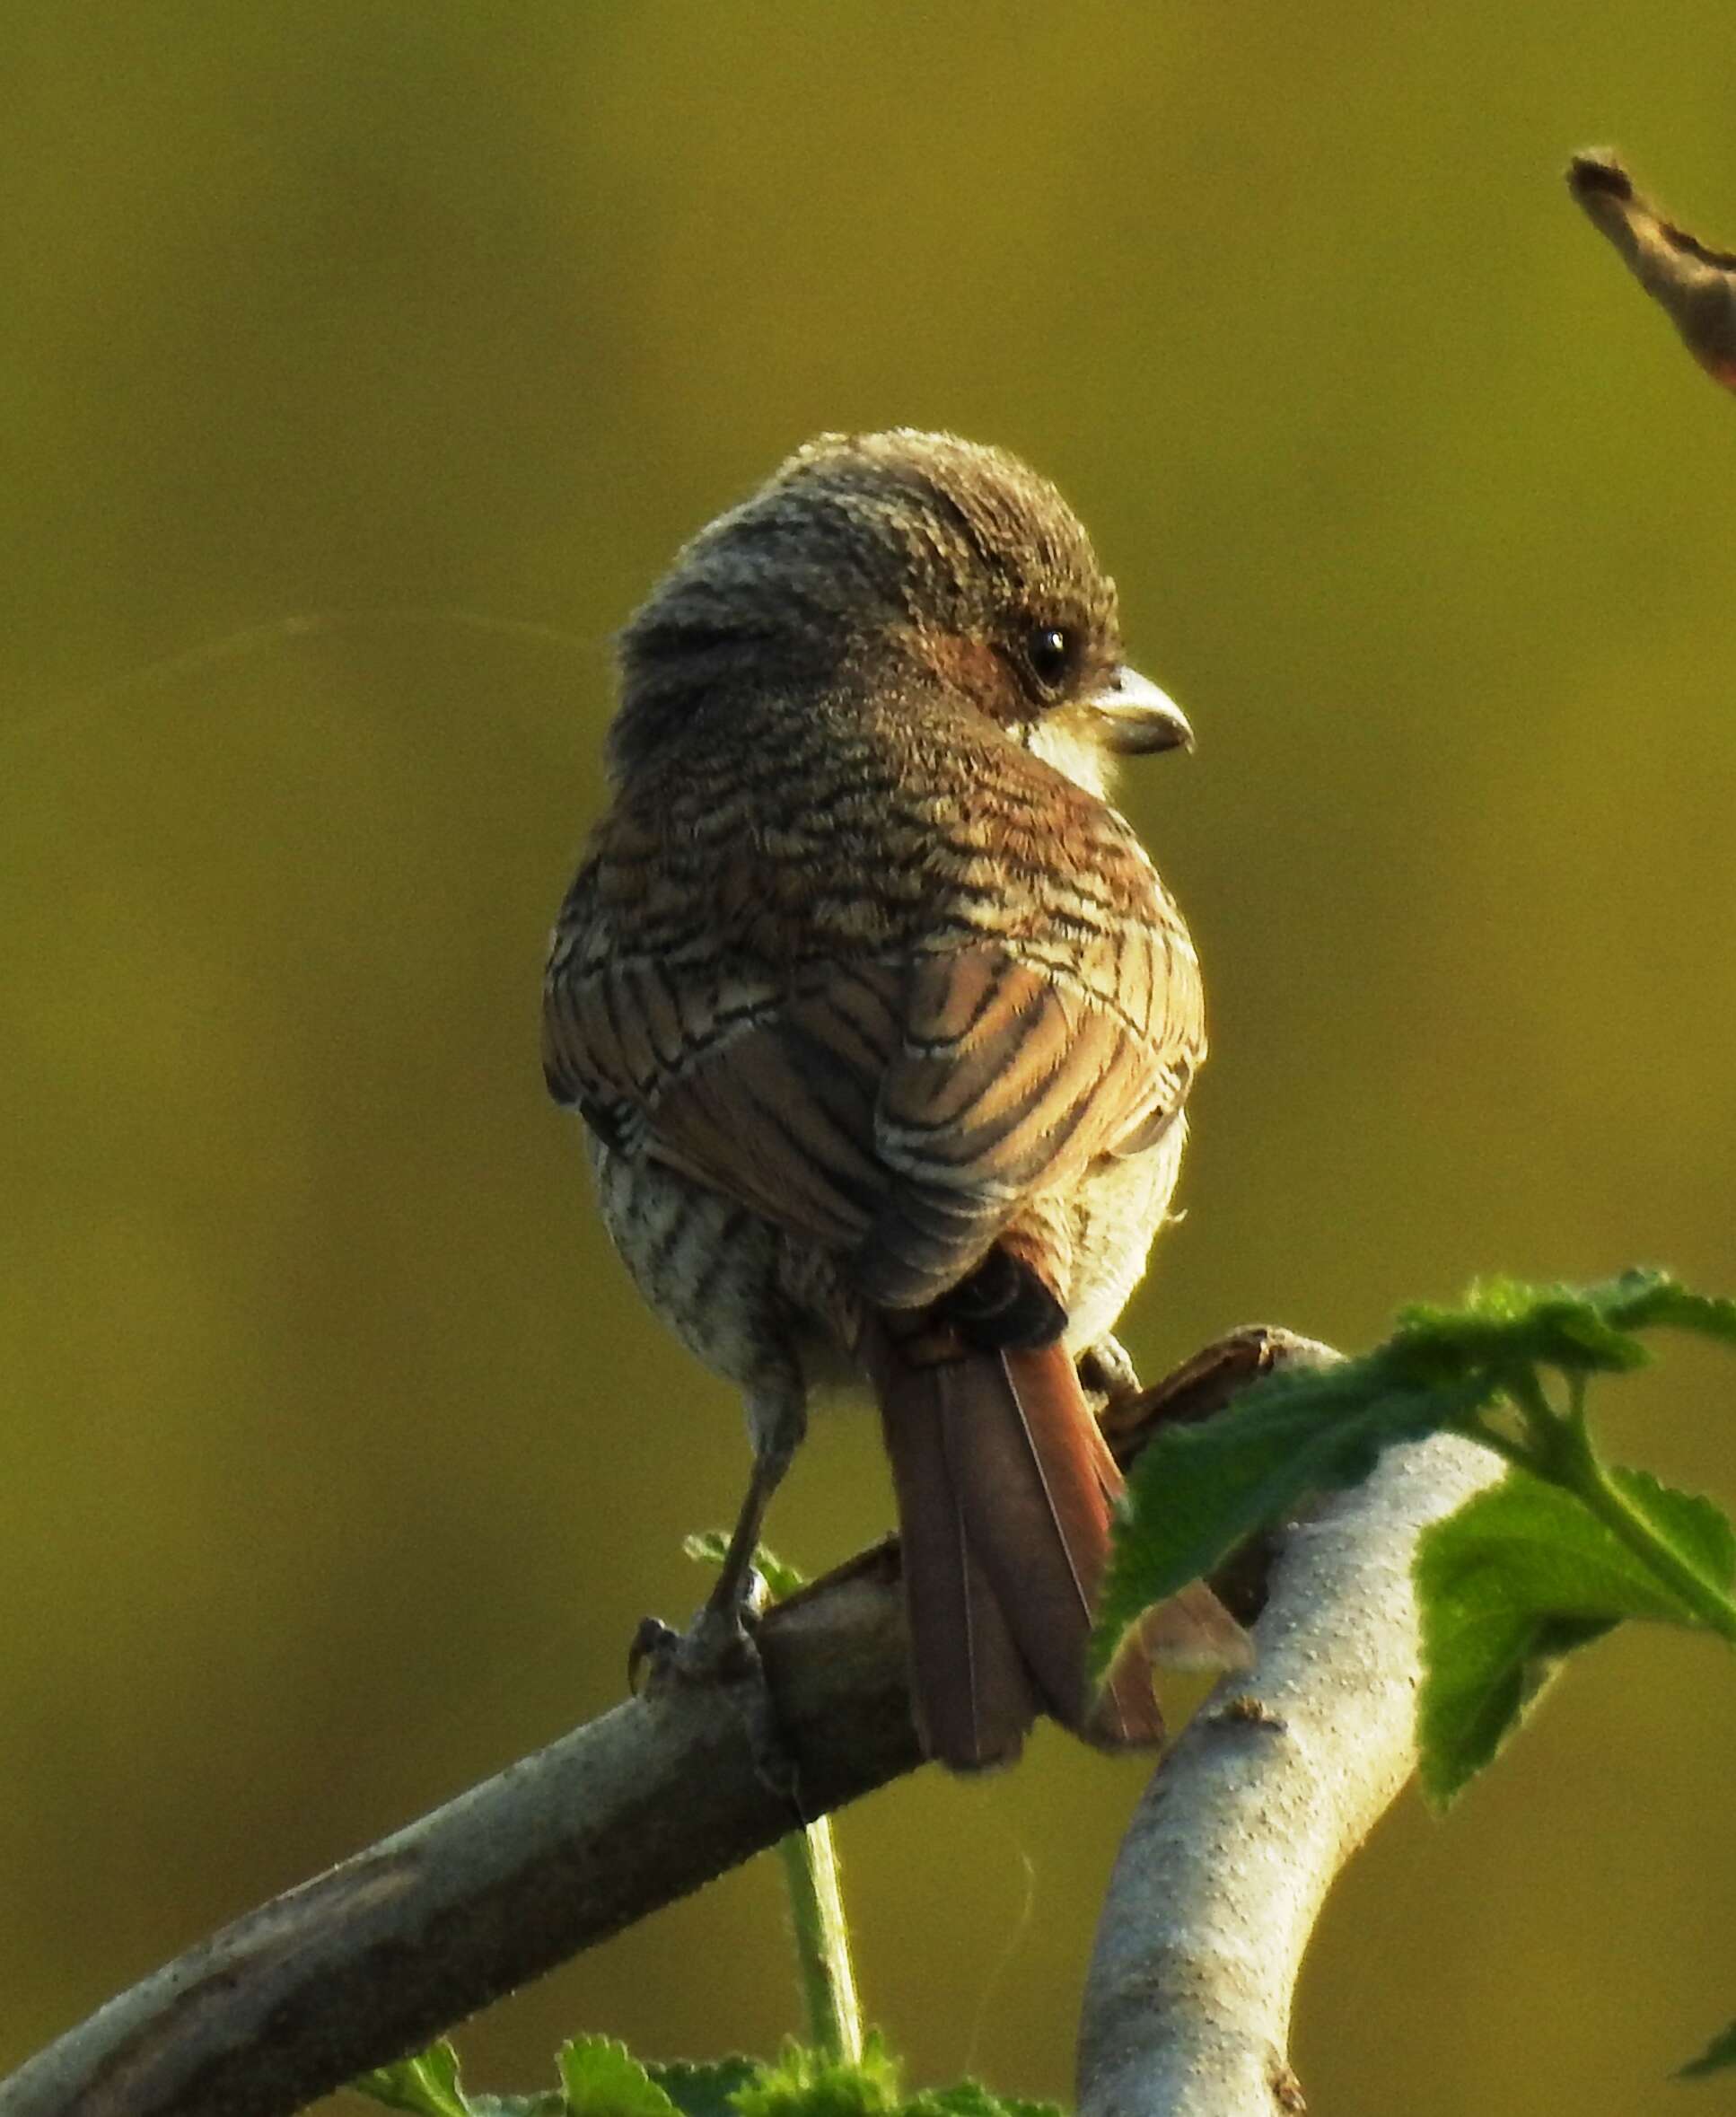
1694,284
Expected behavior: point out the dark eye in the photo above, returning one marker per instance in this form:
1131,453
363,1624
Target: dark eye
1049,650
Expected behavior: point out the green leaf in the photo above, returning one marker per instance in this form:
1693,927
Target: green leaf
1701,1532
427,2084
1646,1300
1485,1666
970,2098
1718,2054
705,2090
1504,1325
708,1547
804,2083
1518,1578
1198,1491
602,2078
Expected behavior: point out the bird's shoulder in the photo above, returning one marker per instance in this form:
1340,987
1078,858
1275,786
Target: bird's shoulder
845,881
845,827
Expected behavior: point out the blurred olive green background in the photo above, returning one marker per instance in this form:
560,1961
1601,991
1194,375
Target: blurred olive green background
361,366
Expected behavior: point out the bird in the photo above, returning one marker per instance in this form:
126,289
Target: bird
882,1026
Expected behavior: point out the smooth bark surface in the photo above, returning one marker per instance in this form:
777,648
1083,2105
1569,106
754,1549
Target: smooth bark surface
563,1848
1273,1785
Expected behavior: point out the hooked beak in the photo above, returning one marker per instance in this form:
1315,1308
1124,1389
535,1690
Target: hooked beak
1137,717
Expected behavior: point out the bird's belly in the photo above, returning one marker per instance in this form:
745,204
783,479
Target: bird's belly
705,1263
749,1300
1115,1216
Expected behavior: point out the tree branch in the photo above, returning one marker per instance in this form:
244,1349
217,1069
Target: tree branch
1273,1785
1206,1917
560,1850
1694,284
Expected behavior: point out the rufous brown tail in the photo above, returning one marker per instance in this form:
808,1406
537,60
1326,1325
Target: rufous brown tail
1005,1488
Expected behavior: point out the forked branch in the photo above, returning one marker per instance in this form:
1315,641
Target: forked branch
1246,1821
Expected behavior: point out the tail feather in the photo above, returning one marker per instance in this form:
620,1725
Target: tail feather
972,1694
1017,1438
1080,1484
1006,1491
1192,1629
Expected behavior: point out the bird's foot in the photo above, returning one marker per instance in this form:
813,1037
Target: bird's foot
1106,1371
719,1652
718,1648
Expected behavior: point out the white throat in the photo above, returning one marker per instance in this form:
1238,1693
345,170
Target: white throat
1077,751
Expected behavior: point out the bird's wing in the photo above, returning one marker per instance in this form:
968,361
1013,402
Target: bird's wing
757,1085
782,1116
1019,1069
901,1113
892,1080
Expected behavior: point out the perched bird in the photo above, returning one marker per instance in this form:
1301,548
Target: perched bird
881,1024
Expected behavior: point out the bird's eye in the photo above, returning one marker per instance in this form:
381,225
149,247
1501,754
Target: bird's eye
1049,650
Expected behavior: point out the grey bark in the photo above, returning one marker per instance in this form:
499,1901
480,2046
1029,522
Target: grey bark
1248,1821
561,1849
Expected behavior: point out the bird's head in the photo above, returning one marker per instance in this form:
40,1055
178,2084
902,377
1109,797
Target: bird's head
897,562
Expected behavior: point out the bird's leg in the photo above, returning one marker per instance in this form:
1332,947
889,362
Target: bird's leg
721,1632
718,1647
718,1643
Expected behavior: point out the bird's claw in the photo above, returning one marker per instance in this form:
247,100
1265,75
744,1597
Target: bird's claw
651,1652
719,1650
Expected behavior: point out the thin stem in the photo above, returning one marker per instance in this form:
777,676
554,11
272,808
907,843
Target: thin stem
1578,1466
1543,1422
822,1942
1500,1444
